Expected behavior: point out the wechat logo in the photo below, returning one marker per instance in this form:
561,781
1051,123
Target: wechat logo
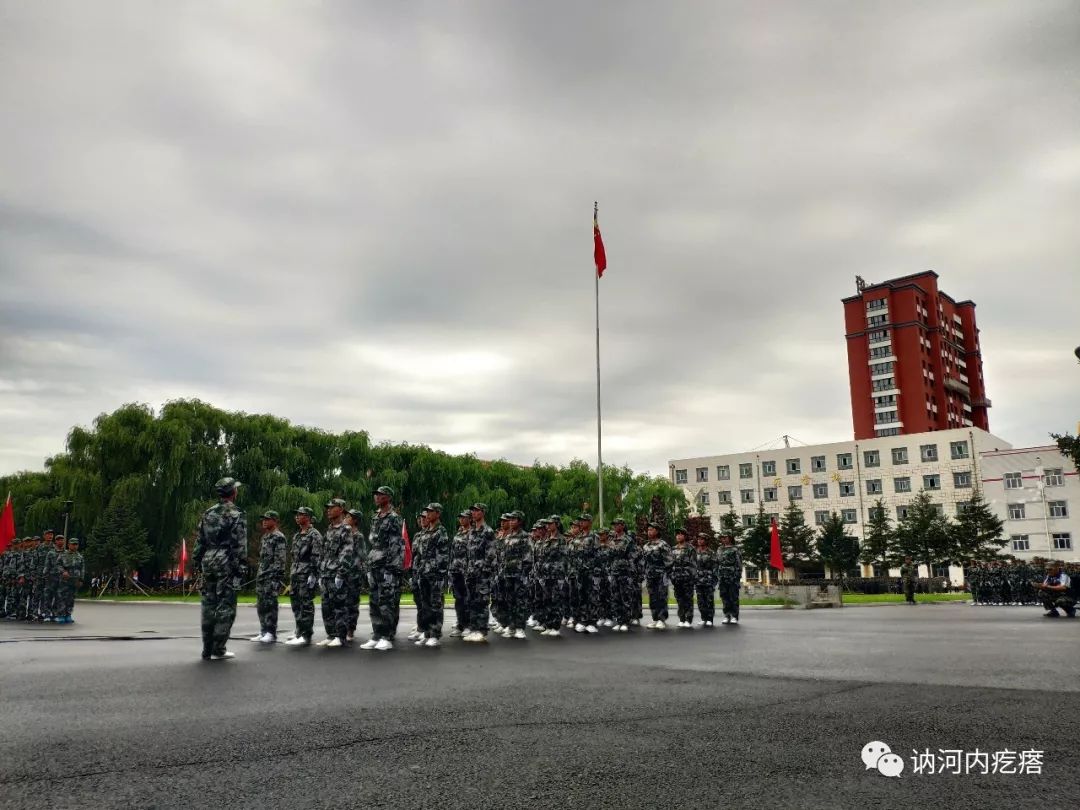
878,755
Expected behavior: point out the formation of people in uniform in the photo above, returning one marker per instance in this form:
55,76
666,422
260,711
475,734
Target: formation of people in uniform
39,577
1017,582
504,580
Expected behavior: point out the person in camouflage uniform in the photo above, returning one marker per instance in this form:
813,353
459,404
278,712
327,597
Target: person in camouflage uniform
358,574
5,560
573,586
498,600
729,576
431,564
683,577
336,563
73,571
602,571
706,560
459,556
623,564
516,563
17,594
480,568
51,606
220,548
909,573
549,563
307,544
385,564
270,578
656,561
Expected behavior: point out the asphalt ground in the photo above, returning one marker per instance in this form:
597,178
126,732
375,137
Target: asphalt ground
117,710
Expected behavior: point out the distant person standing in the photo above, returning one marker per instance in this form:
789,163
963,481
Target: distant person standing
270,578
219,551
729,577
909,573
705,586
656,562
459,558
306,545
385,563
684,577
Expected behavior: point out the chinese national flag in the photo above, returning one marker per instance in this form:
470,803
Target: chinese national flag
599,256
7,525
408,546
776,559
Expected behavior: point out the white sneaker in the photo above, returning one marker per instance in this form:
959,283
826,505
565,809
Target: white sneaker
494,625
590,628
579,628
334,642
349,638
414,635
323,643
431,642
726,620
555,632
734,619
297,641
370,644
470,636
420,641
661,625
538,627
268,638
622,628
223,657
519,634
708,623
530,622
384,645
455,633
257,638
635,622
506,632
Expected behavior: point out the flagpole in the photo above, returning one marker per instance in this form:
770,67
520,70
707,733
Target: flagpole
599,439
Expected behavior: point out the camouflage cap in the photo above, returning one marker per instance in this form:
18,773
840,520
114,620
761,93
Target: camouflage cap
434,507
555,518
304,510
504,516
50,531
270,514
680,530
537,526
546,521
464,513
226,486
618,521
517,514
478,507
59,537
653,524
585,516
356,513
384,490
336,502
73,541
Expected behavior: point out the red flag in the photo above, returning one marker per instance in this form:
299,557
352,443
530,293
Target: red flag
408,546
7,525
183,556
776,559
599,256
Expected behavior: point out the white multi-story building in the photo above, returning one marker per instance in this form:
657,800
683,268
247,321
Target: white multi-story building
843,477
1036,491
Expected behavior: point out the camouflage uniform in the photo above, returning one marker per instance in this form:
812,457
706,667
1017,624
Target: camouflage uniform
706,582
219,551
517,559
51,572
479,570
73,563
656,560
601,575
337,560
269,580
683,577
623,571
549,567
729,576
459,553
306,546
431,560
5,581
357,578
38,559
498,586
386,559
909,572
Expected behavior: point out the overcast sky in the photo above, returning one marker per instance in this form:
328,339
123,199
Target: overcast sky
378,216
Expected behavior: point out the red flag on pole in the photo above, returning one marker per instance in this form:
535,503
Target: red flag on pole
776,559
408,546
183,557
7,525
599,256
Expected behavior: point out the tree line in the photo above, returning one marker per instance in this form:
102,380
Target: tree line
139,479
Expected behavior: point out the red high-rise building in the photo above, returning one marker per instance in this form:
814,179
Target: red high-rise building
913,359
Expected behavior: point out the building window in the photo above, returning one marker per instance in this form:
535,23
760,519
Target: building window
1063,541
747,521
702,475
1058,509
885,401
794,493
884,384
873,486
703,497
876,320
876,303
768,469
746,495
881,368
872,458
680,476
873,512
794,466
817,464
931,481
820,516
1054,478
962,506
723,496
958,450
902,484
878,335
1013,481
847,489
843,461
881,351
901,512
882,433
848,515
938,508
1017,511
928,452
899,455
821,490
1020,542
768,494
746,471
962,480
723,472
941,571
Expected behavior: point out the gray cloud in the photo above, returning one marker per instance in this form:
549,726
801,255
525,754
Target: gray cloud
379,215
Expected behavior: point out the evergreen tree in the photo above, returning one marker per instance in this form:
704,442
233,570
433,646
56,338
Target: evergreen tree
880,536
924,534
796,538
118,542
755,542
731,523
837,549
977,533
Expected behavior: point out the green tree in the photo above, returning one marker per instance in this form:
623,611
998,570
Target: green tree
877,545
756,542
796,538
923,534
977,534
117,544
1069,446
731,523
837,549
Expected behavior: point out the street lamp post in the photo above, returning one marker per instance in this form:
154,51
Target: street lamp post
67,514
1039,471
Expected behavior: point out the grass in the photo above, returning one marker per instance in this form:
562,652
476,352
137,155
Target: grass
887,598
